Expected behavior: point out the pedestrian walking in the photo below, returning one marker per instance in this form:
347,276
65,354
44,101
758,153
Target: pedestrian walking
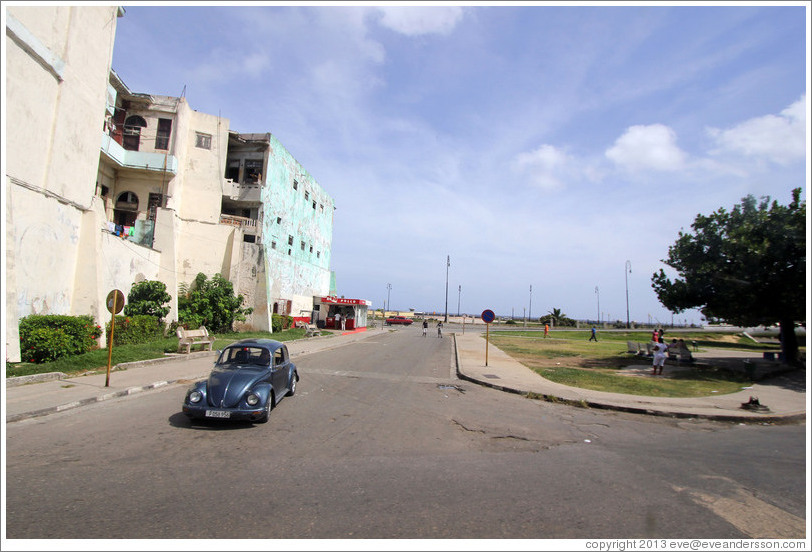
425,327
594,336
439,329
546,329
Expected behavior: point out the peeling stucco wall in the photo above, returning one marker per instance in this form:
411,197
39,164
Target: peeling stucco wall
297,231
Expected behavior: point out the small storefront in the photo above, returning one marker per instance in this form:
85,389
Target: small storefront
352,311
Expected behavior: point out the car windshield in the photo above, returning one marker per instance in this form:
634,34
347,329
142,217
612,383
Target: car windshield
246,355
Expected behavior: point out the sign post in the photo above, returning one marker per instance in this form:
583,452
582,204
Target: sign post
487,317
115,303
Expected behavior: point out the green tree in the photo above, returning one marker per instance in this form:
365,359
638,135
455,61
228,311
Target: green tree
210,303
746,267
148,297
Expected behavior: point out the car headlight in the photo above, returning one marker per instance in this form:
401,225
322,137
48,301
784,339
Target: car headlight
195,396
252,399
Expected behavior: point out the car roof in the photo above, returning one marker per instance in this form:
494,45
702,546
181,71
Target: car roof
270,344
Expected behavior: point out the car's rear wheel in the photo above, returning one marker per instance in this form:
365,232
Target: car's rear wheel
292,390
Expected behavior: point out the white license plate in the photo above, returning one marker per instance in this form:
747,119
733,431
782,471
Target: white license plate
218,414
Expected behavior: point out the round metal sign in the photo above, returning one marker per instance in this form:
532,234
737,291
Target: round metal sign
115,301
488,316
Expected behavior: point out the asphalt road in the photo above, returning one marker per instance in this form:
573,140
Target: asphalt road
382,442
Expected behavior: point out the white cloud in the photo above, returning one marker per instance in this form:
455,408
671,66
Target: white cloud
647,147
423,20
545,167
778,138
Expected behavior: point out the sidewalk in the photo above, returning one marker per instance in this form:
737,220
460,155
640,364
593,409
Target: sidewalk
43,394
784,395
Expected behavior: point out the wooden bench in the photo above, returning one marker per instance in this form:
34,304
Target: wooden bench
310,329
189,338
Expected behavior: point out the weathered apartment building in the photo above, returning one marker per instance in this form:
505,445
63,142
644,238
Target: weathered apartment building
106,187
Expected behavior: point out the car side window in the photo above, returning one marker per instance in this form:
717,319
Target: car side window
278,357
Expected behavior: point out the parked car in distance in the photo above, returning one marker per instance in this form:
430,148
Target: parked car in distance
399,320
249,378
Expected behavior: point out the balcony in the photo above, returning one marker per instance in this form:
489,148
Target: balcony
242,192
248,225
138,160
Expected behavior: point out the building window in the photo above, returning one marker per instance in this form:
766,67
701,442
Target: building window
164,131
132,132
250,238
303,246
290,240
321,207
253,171
311,249
295,184
314,204
318,254
307,195
126,209
203,140
278,220
233,170
273,244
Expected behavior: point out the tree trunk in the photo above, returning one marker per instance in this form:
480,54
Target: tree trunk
789,341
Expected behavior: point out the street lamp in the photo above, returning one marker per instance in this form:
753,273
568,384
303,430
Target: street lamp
530,308
598,293
447,264
626,273
388,304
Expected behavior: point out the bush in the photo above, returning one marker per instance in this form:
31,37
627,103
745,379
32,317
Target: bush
148,297
281,322
210,303
48,337
131,330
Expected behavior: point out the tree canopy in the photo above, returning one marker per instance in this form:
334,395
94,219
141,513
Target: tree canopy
746,266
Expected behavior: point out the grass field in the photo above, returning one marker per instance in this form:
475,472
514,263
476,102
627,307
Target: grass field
96,360
569,358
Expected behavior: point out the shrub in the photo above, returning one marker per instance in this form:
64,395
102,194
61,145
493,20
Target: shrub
48,337
131,330
148,297
281,322
210,303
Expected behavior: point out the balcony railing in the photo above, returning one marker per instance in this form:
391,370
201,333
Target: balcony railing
248,225
138,159
242,192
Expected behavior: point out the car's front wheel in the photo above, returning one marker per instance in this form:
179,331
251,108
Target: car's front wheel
268,409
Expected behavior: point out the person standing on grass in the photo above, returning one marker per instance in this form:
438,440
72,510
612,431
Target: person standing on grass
660,351
425,327
594,336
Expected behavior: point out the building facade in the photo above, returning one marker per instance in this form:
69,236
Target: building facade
106,187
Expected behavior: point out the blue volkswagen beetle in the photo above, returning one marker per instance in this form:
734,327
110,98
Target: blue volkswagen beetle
249,378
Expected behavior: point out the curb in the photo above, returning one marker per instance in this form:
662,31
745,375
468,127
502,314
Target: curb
84,402
779,419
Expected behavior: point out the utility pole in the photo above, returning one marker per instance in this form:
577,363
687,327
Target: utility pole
626,273
530,308
598,293
447,264
388,304
459,294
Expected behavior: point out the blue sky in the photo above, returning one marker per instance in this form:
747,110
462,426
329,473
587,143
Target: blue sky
536,145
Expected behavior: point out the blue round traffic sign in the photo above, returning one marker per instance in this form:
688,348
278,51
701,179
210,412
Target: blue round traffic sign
488,316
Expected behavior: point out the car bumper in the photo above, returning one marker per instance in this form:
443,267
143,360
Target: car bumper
209,413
